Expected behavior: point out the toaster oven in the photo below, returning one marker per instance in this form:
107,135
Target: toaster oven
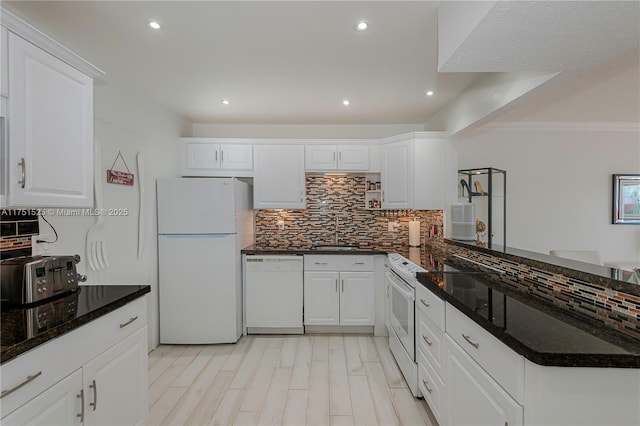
31,279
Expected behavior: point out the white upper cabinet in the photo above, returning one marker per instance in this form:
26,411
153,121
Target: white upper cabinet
337,157
4,61
397,175
214,157
49,117
279,181
418,172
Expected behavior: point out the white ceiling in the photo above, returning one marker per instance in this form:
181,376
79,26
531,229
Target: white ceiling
294,62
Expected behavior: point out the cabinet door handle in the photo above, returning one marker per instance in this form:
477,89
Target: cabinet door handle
357,263
342,282
221,156
424,382
424,302
320,263
340,156
468,339
81,414
336,285
334,156
15,388
23,181
128,322
301,196
426,340
93,386
216,155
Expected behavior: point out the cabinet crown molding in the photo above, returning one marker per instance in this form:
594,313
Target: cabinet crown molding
25,30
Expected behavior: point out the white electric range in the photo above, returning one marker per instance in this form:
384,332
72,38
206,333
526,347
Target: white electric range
400,283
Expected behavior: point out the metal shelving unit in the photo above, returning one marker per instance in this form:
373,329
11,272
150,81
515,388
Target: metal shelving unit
486,188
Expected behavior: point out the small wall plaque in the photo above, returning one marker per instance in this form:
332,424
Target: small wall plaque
120,177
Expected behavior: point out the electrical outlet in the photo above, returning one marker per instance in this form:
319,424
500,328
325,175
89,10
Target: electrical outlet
280,225
393,226
39,248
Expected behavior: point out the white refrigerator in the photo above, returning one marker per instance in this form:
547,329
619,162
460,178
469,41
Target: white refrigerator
203,223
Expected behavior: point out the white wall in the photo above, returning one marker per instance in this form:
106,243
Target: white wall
560,149
128,123
559,184
303,131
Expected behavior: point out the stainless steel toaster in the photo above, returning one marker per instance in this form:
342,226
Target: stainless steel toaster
31,279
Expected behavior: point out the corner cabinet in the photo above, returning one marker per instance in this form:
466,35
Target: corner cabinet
279,181
50,121
215,158
417,169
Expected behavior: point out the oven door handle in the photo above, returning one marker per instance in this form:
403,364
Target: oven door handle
401,288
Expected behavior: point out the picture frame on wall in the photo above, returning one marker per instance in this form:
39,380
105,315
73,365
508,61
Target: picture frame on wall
626,199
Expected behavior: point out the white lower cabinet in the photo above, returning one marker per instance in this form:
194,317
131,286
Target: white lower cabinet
430,323
339,290
115,384
93,375
473,397
339,298
61,404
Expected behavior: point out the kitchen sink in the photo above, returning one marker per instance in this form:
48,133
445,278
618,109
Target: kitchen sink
339,248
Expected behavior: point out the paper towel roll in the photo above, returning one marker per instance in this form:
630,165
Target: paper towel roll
414,233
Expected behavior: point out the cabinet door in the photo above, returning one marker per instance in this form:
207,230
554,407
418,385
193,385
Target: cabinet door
321,298
279,181
320,157
203,156
115,384
397,175
357,298
51,130
474,398
236,157
4,62
353,157
61,404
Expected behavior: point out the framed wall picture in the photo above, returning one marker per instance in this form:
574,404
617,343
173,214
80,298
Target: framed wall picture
626,199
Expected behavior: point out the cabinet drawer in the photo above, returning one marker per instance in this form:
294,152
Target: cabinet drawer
431,386
69,351
504,365
429,339
328,262
431,305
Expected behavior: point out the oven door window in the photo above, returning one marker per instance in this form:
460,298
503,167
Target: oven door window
400,310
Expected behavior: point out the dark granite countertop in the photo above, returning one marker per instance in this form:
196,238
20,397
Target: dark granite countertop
24,328
541,332
301,250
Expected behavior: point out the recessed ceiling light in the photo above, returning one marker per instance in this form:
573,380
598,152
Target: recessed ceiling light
345,102
362,26
430,93
154,24
225,101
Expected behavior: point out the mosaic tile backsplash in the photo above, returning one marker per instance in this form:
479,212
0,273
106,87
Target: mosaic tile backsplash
342,199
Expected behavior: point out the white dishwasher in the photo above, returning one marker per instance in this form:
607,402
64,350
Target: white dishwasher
273,294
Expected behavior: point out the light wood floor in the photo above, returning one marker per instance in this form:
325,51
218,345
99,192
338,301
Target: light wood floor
273,380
